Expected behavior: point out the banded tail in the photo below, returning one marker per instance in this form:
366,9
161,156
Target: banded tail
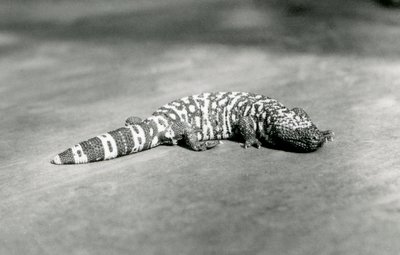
120,142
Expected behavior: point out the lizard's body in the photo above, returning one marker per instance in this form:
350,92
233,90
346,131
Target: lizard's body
199,121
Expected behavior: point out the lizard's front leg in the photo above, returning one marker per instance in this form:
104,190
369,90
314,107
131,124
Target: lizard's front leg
246,128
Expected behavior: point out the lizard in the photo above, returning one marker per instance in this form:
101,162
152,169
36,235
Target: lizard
199,122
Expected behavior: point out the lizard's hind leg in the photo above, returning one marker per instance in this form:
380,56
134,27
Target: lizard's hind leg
191,141
188,135
133,120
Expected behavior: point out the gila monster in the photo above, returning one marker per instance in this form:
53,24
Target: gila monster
199,122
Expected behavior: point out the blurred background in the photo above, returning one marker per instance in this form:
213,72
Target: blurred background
70,70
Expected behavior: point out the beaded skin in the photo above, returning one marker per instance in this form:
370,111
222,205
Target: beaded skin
199,122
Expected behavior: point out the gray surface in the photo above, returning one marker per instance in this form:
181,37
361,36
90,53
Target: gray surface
70,70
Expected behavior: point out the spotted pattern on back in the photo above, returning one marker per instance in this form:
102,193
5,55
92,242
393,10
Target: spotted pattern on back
216,114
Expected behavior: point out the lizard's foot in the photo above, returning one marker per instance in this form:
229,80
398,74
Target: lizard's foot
252,142
189,137
328,135
168,137
211,144
202,146
169,141
246,127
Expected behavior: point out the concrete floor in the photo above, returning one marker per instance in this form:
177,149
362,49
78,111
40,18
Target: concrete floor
70,70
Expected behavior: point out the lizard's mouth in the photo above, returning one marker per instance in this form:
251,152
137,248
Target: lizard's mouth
301,145
327,136
318,140
306,144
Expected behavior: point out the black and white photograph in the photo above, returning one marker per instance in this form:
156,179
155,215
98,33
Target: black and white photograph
200,127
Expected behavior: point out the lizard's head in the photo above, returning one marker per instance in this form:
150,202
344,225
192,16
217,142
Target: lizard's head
302,139
295,131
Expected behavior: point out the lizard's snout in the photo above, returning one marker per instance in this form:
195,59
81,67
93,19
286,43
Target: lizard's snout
327,135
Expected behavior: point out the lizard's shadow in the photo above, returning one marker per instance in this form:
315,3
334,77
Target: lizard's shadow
283,147
280,146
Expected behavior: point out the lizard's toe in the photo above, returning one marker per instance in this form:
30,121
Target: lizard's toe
211,144
253,142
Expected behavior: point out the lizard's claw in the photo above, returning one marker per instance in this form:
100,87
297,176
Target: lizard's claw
254,142
211,144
